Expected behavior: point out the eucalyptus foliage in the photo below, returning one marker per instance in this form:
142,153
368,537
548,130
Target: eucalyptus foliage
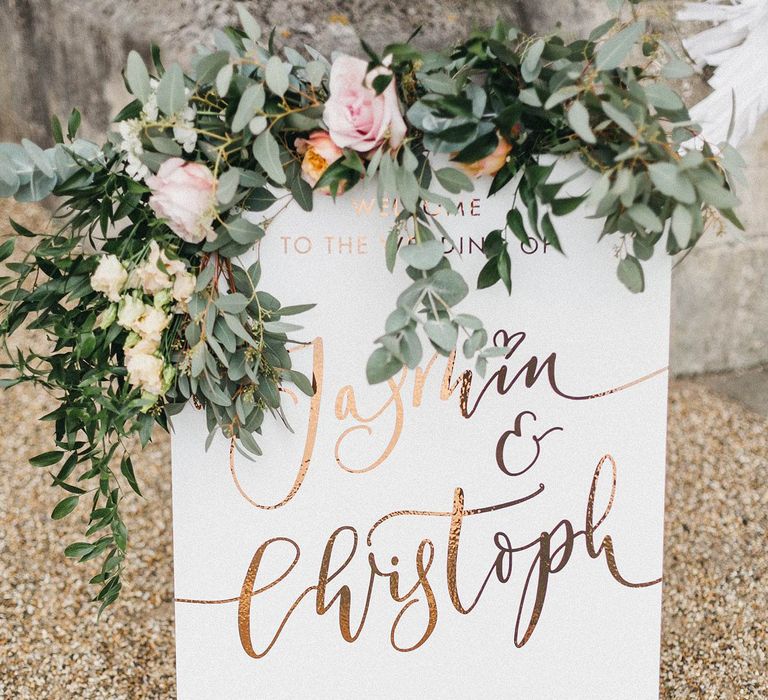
239,111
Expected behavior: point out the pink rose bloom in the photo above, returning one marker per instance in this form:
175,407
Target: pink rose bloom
356,116
183,195
319,152
492,163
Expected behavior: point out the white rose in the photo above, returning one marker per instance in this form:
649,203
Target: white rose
152,323
145,371
109,277
184,287
131,309
152,278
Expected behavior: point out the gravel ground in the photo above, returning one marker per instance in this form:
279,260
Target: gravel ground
715,634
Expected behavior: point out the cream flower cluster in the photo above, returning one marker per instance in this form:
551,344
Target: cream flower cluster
144,301
130,131
132,148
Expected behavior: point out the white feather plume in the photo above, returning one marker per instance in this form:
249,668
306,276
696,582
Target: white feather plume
737,47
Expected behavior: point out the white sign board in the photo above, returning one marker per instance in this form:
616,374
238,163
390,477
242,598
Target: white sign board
443,535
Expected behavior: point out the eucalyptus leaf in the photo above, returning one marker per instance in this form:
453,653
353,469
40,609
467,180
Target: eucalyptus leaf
530,66
578,118
38,187
630,272
248,22
561,95
232,303
315,72
251,101
715,194
643,215
39,158
281,327
453,180
171,97
226,187
671,181
613,52
622,119
224,78
137,76
381,366
676,69
243,231
301,381
422,256
208,67
449,285
9,180
257,125
682,225
660,95
390,248
407,188
444,334
276,75
267,153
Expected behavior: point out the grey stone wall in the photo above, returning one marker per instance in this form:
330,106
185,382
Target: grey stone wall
56,54
720,292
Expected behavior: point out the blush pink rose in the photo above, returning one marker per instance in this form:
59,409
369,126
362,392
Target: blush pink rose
355,115
183,194
319,152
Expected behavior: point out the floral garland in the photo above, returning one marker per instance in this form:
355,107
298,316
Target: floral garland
139,291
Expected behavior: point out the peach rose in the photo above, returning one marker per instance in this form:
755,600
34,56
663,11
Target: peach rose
492,163
355,115
183,195
319,152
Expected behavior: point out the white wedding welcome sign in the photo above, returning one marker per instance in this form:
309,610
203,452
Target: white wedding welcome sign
444,534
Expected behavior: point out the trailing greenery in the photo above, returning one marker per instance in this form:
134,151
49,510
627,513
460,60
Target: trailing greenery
139,290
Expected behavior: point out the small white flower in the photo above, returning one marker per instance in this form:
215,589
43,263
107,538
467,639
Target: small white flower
150,111
132,148
109,277
184,131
